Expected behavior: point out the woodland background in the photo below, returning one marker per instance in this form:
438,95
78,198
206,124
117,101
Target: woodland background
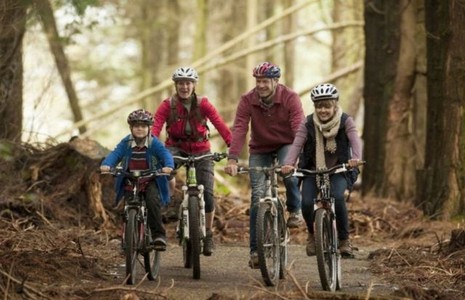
79,67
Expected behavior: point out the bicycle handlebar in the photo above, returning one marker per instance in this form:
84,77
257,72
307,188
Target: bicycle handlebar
242,170
135,174
216,156
333,170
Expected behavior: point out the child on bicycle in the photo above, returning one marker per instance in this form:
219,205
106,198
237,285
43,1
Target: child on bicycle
328,137
140,151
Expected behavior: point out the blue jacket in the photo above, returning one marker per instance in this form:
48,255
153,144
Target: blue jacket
157,157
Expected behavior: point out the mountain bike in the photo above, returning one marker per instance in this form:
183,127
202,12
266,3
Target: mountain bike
191,229
136,234
328,255
272,232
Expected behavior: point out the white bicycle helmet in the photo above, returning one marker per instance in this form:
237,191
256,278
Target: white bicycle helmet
185,73
325,91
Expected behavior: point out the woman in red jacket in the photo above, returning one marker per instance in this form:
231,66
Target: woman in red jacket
186,115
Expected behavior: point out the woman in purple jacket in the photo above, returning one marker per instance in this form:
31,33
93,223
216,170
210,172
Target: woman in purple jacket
327,137
274,112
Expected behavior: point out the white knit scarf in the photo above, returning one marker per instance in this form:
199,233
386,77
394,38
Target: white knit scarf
326,131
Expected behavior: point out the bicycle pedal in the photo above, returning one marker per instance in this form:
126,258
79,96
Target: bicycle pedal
347,256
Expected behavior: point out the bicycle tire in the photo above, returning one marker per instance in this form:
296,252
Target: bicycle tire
325,252
267,245
186,251
283,240
338,256
131,237
194,234
151,257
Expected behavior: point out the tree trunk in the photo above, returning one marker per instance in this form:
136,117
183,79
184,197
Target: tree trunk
344,54
399,162
12,28
200,41
48,20
289,26
442,193
382,49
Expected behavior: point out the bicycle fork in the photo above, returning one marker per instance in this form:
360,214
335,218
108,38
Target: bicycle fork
184,212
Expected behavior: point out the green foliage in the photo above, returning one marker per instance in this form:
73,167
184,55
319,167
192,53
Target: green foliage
6,152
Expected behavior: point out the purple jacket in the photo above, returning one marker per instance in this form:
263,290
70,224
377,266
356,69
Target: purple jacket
271,128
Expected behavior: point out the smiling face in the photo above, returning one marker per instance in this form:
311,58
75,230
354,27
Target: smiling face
139,130
325,110
184,88
265,86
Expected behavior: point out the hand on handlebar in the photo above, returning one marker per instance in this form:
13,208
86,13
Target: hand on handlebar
354,163
105,169
167,170
286,169
231,168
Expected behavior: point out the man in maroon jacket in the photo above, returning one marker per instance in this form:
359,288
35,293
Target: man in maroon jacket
274,112
186,115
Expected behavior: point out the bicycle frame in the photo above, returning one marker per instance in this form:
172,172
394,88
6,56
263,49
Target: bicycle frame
325,230
135,234
190,237
270,203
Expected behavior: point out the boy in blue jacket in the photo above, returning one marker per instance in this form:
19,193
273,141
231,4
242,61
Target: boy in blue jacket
140,151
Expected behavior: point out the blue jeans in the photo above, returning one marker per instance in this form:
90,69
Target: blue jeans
257,184
338,186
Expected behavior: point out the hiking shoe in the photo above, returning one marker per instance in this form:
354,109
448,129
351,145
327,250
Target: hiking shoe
253,262
310,245
345,247
208,245
294,220
159,244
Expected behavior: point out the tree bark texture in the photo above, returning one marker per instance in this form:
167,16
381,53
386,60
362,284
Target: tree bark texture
442,194
382,51
399,162
12,28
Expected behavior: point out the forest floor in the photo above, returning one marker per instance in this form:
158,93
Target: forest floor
60,240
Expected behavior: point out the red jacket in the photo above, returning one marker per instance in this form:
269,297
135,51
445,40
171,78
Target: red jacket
271,128
198,141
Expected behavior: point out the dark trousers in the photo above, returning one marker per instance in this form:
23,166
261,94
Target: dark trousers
154,219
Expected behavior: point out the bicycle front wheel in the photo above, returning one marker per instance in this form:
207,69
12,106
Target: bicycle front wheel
325,250
151,258
267,245
283,241
194,234
131,237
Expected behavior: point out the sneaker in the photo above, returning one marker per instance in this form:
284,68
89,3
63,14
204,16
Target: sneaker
345,247
294,220
310,245
253,262
159,244
208,245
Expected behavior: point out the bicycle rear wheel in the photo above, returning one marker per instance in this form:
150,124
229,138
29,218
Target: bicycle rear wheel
325,251
151,258
194,234
131,237
267,245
